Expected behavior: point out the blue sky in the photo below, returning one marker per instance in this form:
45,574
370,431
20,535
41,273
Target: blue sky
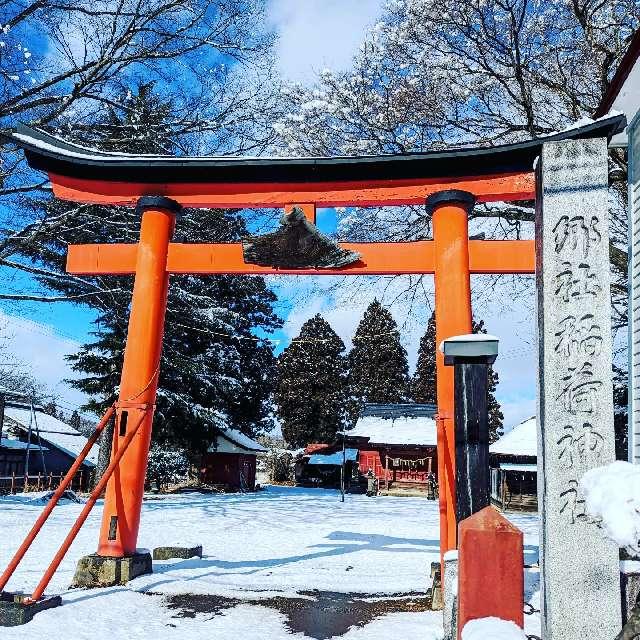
42,334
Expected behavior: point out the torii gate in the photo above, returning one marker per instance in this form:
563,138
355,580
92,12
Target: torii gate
448,182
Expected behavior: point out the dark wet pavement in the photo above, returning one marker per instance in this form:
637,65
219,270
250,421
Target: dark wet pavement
316,614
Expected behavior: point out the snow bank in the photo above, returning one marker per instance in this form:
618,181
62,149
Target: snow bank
612,496
41,497
492,629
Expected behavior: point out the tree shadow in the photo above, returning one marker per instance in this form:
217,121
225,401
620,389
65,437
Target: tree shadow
339,543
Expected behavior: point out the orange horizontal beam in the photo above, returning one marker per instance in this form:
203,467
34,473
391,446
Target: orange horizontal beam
504,187
96,259
381,258
378,258
502,256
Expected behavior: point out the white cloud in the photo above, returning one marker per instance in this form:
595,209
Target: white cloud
314,34
42,350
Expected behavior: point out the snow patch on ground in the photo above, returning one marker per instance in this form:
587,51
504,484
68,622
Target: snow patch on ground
492,629
41,498
612,496
275,542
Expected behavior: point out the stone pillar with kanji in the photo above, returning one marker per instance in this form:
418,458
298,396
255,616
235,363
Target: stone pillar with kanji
580,578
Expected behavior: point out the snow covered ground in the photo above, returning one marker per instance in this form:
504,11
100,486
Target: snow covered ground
277,542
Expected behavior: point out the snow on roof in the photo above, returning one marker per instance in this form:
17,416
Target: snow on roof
522,440
7,443
240,439
53,431
403,431
350,455
511,466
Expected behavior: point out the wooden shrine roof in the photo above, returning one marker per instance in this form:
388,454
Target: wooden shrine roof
57,156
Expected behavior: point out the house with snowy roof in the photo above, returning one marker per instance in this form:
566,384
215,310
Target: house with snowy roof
230,461
397,443
36,442
513,460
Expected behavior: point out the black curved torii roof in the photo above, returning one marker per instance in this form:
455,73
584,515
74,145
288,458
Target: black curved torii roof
57,156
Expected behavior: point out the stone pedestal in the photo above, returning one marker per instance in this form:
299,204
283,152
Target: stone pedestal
15,611
629,586
167,553
436,587
102,571
580,580
450,595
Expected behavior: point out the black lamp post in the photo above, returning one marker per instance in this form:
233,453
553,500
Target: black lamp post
471,355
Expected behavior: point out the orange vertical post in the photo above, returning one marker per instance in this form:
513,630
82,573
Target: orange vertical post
490,569
139,380
450,211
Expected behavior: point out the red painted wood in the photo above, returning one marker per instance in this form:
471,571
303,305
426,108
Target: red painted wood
378,258
366,193
490,569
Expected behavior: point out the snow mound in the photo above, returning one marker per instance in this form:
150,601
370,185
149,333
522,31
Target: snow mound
492,629
42,497
612,496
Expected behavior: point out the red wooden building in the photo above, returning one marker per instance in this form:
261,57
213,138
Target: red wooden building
230,461
398,443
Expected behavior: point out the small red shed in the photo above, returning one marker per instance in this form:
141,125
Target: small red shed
231,461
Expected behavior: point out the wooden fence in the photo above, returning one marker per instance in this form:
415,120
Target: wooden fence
43,482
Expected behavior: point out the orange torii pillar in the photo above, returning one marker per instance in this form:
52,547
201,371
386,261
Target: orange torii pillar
450,256
139,379
450,210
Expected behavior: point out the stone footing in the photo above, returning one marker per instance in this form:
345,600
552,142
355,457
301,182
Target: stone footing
630,587
15,611
102,571
167,553
437,600
450,596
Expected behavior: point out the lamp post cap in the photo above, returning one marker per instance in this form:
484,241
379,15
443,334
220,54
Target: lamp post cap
480,348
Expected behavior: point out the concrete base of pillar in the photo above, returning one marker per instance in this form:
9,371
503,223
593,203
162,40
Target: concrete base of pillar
14,611
167,553
450,595
102,571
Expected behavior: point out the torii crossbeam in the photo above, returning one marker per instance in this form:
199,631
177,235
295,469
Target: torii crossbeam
447,182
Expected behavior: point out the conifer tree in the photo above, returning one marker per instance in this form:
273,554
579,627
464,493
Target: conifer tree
75,420
423,387
496,416
214,369
310,393
378,369
425,378
51,408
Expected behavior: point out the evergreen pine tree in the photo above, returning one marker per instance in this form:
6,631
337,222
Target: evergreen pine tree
496,416
51,408
424,380
378,369
310,393
423,387
76,421
214,370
